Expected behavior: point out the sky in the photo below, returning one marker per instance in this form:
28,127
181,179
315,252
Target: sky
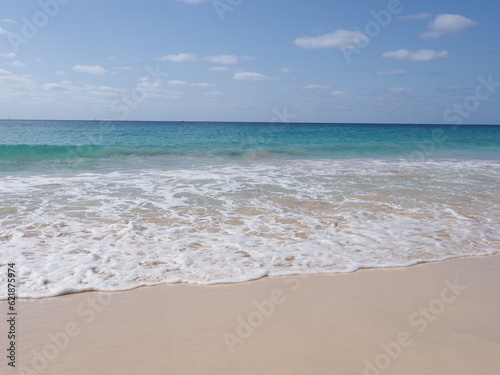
343,61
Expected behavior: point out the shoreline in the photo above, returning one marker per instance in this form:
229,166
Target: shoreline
433,318
300,275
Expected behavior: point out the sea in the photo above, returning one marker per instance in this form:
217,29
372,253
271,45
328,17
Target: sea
107,206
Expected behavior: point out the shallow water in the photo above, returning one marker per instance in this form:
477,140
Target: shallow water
104,220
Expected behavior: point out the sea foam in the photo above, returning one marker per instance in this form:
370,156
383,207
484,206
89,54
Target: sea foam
236,222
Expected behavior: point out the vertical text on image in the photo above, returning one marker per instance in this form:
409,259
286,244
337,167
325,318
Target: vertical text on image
11,314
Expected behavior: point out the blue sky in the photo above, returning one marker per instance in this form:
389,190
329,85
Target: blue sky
251,60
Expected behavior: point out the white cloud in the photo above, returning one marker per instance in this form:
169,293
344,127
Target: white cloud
219,68
341,39
123,68
400,90
192,57
316,87
176,82
250,76
445,24
149,82
338,93
286,70
181,57
16,64
222,59
8,20
12,85
83,92
418,16
3,31
203,84
213,93
100,90
420,55
63,86
59,73
90,69
397,72
192,1
452,89
10,55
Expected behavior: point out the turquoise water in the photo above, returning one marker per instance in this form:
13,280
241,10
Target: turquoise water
38,145
112,206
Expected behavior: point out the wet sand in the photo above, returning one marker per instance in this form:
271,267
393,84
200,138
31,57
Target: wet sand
437,318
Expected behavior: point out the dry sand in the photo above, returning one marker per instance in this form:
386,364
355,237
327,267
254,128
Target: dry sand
438,318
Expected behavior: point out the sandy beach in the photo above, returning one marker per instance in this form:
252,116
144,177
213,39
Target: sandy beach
437,318
196,187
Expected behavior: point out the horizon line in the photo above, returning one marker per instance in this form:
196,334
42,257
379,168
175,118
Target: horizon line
258,122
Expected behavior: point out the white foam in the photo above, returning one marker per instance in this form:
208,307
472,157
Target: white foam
233,223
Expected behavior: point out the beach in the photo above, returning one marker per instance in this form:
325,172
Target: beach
249,187
434,318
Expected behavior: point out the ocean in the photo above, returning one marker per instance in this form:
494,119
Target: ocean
90,205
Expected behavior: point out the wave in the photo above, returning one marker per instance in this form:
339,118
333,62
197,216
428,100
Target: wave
30,153
233,223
